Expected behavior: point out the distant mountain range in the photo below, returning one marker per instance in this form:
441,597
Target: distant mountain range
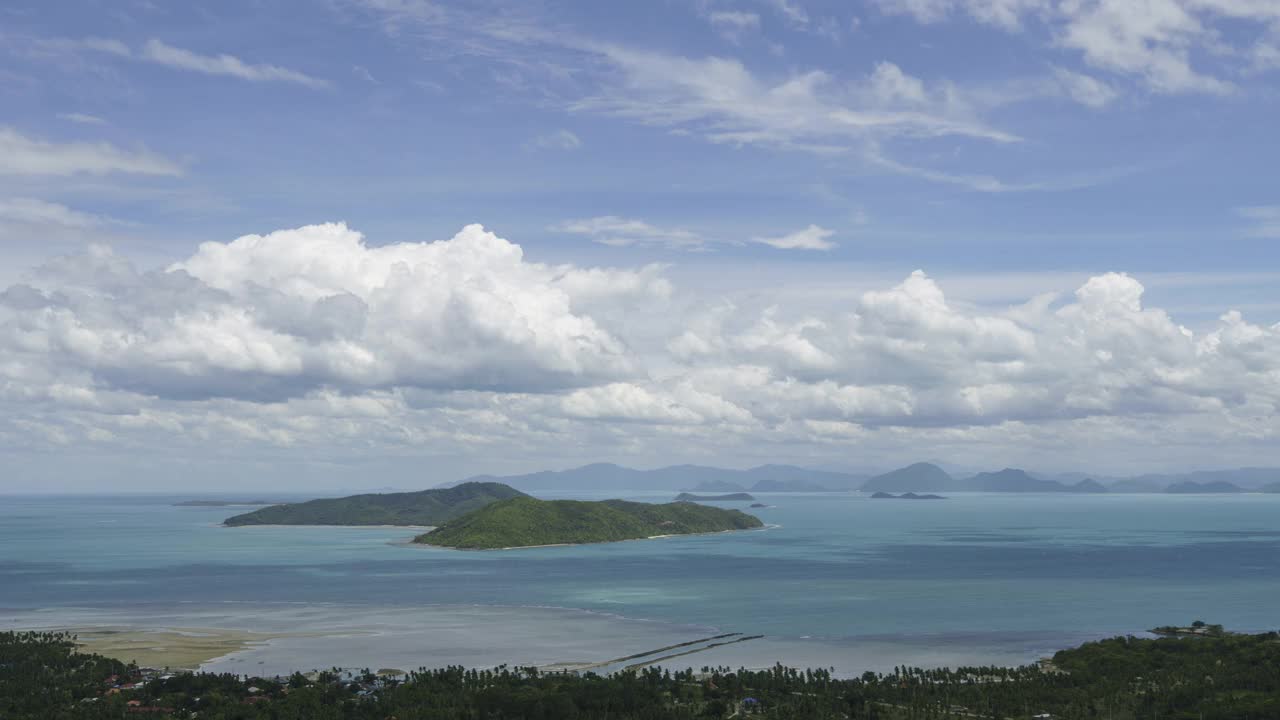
698,478
918,477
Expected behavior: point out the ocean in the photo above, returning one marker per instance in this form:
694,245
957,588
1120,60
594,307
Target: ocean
838,580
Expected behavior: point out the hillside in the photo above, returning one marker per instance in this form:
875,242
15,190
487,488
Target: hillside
526,521
920,476
425,507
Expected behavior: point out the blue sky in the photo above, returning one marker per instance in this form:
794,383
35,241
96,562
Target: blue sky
785,154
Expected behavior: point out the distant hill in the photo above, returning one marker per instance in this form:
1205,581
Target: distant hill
920,476
880,495
1272,488
1088,485
612,478
1137,485
526,521
727,497
1010,480
788,486
717,486
425,507
1188,487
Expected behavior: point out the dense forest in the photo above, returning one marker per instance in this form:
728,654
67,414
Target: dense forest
1236,677
526,521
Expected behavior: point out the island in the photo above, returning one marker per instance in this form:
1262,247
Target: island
422,508
727,497
1199,628
529,522
905,496
758,505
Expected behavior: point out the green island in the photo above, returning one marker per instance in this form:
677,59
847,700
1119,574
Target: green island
1199,628
526,522
44,676
425,507
726,497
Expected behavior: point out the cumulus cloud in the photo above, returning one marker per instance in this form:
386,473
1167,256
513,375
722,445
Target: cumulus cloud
809,238
23,155
314,338
277,315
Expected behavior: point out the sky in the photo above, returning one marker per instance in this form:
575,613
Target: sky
337,244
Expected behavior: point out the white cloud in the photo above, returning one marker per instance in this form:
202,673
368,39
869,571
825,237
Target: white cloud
276,315
22,155
809,238
791,10
1085,89
312,339
30,211
734,25
82,118
229,65
558,140
622,232
1265,219
1164,43
722,100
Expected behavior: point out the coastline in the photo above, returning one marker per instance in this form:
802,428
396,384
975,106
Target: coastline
767,526
277,639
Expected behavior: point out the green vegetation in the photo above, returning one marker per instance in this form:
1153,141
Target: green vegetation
727,497
526,521
1198,628
1231,677
428,507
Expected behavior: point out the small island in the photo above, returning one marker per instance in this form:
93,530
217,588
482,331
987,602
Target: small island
905,496
422,508
759,505
529,522
727,497
1199,628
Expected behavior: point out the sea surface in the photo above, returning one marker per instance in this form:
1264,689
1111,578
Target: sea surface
838,580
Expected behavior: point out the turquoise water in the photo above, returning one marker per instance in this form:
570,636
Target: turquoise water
982,576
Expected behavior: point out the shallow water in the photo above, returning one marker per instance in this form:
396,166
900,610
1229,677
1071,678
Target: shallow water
843,581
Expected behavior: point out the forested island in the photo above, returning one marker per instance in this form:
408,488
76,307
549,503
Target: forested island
905,496
1232,677
526,521
426,507
726,497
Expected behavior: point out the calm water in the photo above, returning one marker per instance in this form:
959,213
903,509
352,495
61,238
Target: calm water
841,580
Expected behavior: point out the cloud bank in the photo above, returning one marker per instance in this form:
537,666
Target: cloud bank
312,337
